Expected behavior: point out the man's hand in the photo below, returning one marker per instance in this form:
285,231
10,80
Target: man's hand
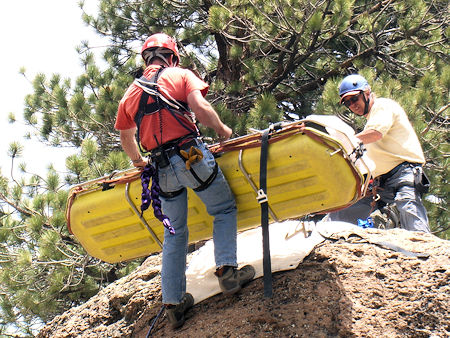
224,133
139,163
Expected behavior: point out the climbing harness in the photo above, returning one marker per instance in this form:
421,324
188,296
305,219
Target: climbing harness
191,156
178,110
421,185
160,155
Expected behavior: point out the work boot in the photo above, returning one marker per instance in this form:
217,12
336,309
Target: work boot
175,313
231,280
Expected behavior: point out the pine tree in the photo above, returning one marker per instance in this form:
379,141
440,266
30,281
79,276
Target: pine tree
265,61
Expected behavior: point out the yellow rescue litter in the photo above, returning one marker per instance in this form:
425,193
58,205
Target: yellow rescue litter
314,166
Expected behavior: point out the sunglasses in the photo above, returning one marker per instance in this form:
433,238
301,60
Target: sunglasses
351,100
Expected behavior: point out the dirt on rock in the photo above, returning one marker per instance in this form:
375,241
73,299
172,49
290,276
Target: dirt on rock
344,288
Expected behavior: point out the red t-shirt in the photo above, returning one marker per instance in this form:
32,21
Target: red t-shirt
173,82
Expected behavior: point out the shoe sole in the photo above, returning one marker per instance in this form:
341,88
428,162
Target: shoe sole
178,324
232,291
181,322
239,286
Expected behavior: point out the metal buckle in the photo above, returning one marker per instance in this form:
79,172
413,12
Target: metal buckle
261,196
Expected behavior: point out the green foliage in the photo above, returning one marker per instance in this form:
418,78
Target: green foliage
315,22
11,118
264,60
15,150
265,112
44,270
218,17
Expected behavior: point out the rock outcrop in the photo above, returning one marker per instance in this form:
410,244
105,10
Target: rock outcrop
350,287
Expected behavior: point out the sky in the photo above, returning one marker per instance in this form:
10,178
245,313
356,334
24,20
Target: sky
40,35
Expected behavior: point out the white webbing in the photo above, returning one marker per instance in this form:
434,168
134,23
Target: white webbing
143,85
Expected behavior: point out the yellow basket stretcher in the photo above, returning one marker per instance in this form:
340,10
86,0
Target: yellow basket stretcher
312,168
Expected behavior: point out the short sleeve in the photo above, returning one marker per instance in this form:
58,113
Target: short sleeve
128,107
193,82
381,118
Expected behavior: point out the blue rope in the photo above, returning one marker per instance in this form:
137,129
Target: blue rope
149,333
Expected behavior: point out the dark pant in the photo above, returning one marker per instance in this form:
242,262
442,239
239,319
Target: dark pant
397,187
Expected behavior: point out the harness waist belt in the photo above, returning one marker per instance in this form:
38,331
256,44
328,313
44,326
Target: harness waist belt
182,146
394,170
162,154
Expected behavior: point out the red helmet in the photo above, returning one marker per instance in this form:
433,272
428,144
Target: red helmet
161,40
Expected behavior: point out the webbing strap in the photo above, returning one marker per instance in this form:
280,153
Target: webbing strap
262,199
205,184
159,102
145,108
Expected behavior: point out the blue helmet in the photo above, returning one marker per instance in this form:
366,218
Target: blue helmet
351,85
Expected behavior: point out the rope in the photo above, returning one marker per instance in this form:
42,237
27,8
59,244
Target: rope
151,196
149,333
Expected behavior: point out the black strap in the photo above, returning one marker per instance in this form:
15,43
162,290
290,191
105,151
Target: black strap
262,199
393,247
205,184
145,108
171,194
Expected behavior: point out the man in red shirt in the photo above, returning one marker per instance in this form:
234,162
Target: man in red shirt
156,107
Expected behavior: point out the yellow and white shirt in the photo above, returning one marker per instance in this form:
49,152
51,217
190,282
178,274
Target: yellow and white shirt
399,142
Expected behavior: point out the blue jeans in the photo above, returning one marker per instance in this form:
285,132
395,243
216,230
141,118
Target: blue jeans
398,189
219,202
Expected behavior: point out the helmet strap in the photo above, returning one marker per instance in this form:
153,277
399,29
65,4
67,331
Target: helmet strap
366,103
170,61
